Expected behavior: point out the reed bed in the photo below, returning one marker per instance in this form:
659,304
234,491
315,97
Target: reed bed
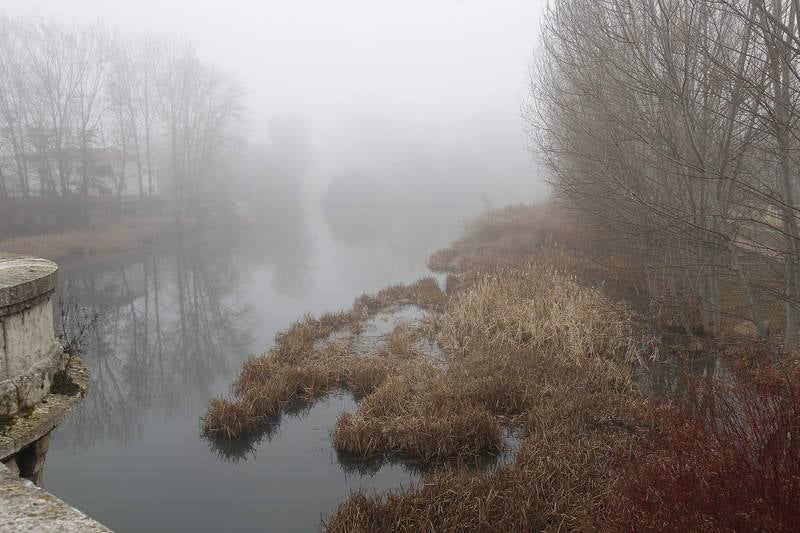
400,417
401,341
424,293
539,307
507,237
127,235
307,363
527,348
558,483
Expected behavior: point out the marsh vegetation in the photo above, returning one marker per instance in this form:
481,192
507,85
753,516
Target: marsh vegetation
524,347
616,351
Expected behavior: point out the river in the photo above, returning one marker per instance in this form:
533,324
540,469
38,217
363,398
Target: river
174,324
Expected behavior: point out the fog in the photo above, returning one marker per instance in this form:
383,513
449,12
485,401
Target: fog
416,99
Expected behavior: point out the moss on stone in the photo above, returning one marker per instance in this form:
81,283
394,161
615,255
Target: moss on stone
64,384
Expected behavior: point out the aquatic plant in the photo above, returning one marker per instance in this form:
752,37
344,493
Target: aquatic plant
539,307
315,356
529,348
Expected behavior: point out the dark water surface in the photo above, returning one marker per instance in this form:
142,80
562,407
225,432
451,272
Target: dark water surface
174,327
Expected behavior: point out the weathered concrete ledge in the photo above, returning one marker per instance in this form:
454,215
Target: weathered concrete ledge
26,507
19,431
39,386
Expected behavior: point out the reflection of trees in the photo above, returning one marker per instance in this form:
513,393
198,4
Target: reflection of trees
399,214
670,378
285,246
269,183
163,337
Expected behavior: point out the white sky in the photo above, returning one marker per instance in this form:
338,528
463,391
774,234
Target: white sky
438,60
434,68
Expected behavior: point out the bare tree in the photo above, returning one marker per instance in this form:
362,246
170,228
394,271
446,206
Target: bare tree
656,118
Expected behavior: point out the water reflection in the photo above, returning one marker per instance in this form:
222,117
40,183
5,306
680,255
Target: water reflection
165,332
374,215
298,411
673,377
175,325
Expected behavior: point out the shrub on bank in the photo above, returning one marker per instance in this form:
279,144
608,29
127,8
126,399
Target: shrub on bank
727,459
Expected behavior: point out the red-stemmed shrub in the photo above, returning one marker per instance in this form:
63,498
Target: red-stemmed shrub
727,458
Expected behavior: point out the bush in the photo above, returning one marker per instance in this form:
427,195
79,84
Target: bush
726,460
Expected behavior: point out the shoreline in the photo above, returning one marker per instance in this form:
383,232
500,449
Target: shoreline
94,242
537,336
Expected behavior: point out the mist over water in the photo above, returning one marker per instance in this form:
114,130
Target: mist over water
312,151
421,99
175,324
243,198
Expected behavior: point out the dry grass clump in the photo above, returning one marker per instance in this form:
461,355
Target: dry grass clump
400,341
398,417
124,236
579,422
425,437
557,483
362,375
424,293
510,236
305,364
528,348
228,418
539,307
262,390
297,343
515,236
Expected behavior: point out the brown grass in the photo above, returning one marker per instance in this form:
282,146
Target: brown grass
527,348
526,345
229,418
533,340
424,293
546,234
511,236
125,236
401,340
556,484
398,417
539,307
306,365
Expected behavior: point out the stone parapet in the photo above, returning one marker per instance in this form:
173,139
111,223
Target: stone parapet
30,354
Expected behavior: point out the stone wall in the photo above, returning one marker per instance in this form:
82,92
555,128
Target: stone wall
31,359
30,355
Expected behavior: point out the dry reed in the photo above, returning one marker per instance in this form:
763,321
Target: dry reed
527,347
539,307
121,237
307,364
530,348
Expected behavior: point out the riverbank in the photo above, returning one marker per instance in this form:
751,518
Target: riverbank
529,340
523,348
124,236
